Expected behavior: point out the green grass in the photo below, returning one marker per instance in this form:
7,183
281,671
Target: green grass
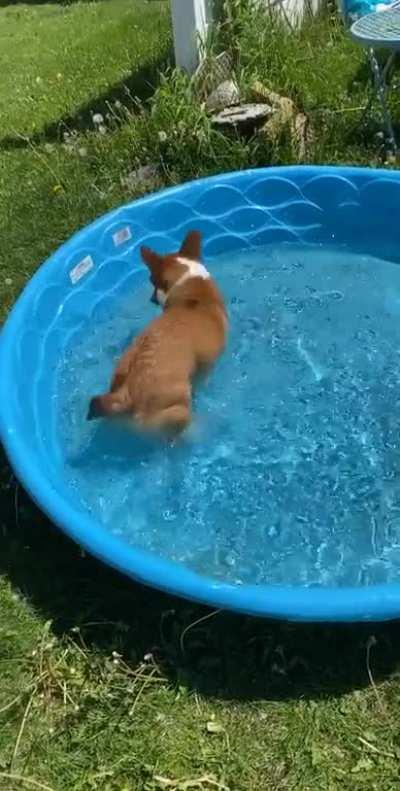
226,702
254,704
56,59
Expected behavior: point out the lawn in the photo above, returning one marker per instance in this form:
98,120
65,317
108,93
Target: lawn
104,684
55,59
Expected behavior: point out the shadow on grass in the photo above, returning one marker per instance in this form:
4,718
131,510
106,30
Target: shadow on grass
227,656
131,92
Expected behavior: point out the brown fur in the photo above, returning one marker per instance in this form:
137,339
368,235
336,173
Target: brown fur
152,383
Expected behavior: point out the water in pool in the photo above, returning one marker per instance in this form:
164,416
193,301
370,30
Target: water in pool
293,472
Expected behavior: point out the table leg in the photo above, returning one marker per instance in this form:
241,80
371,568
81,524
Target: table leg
381,90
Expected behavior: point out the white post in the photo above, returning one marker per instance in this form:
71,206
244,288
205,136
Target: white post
190,20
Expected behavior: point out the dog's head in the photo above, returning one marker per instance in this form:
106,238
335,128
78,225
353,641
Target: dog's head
166,271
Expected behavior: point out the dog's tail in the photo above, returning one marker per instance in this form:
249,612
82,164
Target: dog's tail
107,405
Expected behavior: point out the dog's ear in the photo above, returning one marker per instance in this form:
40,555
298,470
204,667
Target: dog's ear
191,246
150,258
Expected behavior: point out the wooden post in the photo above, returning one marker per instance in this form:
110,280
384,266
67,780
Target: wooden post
190,20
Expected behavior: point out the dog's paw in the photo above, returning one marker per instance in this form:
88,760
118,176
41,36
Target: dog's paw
195,432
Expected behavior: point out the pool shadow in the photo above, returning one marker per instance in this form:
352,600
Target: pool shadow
224,656
121,447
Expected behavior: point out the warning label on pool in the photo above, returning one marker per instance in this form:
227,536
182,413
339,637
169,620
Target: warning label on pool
121,236
81,269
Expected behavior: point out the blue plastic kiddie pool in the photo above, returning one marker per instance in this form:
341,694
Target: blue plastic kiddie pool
285,501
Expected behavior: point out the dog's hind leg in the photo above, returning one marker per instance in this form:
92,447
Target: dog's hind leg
172,420
109,404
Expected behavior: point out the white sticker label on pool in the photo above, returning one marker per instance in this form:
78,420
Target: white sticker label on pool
121,236
81,269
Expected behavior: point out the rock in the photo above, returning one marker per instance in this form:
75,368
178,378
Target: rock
282,104
244,117
260,93
212,71
225,95
285,116
140,177
303,135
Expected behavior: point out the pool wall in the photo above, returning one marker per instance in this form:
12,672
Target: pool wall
238,211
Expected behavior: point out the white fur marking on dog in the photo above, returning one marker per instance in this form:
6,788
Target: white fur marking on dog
161,297
193,269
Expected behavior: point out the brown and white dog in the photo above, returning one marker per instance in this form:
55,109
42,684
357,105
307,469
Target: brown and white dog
152,383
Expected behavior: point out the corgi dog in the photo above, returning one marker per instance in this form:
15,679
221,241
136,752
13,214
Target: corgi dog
152,384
